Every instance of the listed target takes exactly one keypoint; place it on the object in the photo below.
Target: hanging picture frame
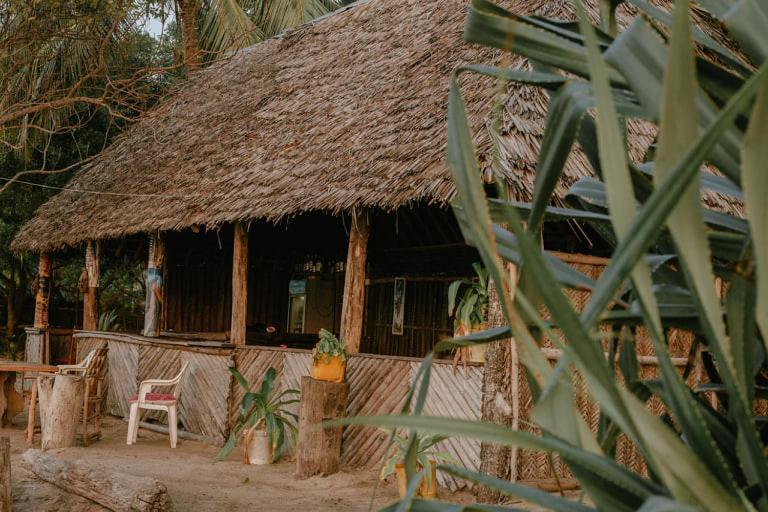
(398, 306)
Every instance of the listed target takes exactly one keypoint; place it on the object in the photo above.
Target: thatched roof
(349, 110)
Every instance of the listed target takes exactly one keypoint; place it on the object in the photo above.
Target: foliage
(329, 346)
(472, 307)
(669, 249)
(259, 409)
(424, 452)
(108, 321)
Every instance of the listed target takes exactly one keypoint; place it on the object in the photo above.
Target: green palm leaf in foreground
(707, 458)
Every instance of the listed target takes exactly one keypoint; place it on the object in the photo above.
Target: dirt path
(196, 482)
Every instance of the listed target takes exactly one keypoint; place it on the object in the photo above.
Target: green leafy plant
(711, 108)
(108, 321)
(259, 409)
(424, 452)
(328, 346)
(471, 308)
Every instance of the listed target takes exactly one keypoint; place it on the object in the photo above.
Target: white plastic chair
(146, 399)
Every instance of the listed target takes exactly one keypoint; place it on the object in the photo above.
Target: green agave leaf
(531, 494)
(654, 211)
(566, 108)
(664, 504)
(699, 35)
(490, 25)
(754, 153)
(640, 55)
(747, 21)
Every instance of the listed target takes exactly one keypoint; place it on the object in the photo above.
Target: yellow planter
(329, 370)
(428, 487)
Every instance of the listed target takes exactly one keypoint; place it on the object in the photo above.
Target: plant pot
(258, 448)
(477, 352)
(428, 486)
(328, 369)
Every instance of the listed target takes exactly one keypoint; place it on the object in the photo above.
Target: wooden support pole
(319, 450)
(6, 498)
(43, 291)
(239, 285)
(353, 305)
(500, 404)
(91, 287)
(153, 306)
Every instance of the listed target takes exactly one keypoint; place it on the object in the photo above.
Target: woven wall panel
(203, 408)
(376, 386)
(123, 369)
(455, 394)
(34, 347)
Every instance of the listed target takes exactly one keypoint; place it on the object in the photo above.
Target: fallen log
(115, 491)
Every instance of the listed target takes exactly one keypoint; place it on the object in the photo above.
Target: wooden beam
(353, 304)
(91, 294)
(43, 291)
(239, 285)
(153, 305)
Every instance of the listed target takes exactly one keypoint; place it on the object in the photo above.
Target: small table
(11, 402)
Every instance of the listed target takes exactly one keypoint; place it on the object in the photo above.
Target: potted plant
(426, 456)
(470, 309)
(264, 421)
(329, 358)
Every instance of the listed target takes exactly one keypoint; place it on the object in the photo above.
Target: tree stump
(61, 402)
(319, 450)
(115, 491)
(6, 499)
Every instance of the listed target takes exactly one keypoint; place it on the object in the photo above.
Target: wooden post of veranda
(91, 293)
(319, 450)
(353, 304)
(61, 402)
(39, 352)
(6, 498)
(43, 291)
(239, 285)
(153, 305)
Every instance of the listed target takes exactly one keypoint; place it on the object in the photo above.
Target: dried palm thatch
(349, 110)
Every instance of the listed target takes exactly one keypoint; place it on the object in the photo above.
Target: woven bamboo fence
(534, 466)
(377, 385)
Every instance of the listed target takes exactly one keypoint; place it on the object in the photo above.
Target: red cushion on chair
(154, 397)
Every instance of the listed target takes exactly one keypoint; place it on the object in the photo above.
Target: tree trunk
(91, 296)
(498, 401)
(319, 451)
(115, 491)
(61, 402)
(353, 305)
(6, 498)
(188, 19)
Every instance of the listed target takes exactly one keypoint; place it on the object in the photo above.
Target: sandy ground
(196, 482)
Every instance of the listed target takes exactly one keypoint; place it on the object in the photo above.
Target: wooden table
(11, 402)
